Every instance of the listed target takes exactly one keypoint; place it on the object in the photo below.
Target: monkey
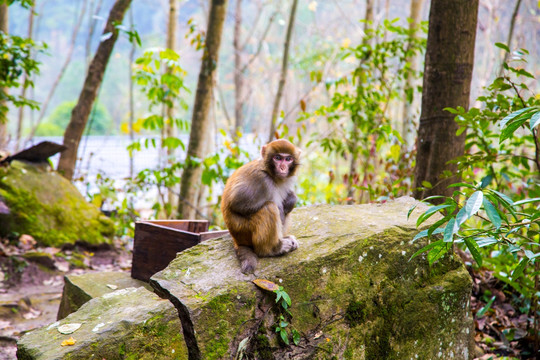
(256, 203)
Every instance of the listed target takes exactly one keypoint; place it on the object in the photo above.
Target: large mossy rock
(45, 205)
(355, 295)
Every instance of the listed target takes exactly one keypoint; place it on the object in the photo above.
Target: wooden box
(157, 242)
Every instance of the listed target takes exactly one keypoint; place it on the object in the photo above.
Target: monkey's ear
(298, 152)
(263, 151)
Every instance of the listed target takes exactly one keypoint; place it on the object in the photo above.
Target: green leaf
(424, 233)
(296, 337)
(471, 207)
(492, 213)
(485, 241)
(502, 46)
(284, 337)
(483, 310)
(429, 212)
(449, 231)
(526, 201)
(475, 250)
(438, 251)
(518, 271)
(513, 115)
(503, 197)
(535, 120)
(426, 248)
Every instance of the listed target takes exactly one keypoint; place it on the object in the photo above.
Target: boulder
(355, 294)
(131, 323)
(45, 205)
(79, 289)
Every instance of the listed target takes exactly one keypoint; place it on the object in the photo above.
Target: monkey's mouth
(282, 173)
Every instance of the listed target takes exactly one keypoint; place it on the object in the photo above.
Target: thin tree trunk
(94, 78)
(353, 166)
(131, 97)
(510, 35)
(92, 23)
(238, 74)
(283, 74)
(61, 73)
(170, 111)
(4, 27)
(447, 83)
(20, 119)
(200, 121)
(407, 125)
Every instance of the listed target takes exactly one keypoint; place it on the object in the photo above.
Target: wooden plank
(194, 226)
(156, 246)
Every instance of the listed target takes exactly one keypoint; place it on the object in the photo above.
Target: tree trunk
(447, 82)
(61, 73)
(131, 97)
(94, 77)
(200, 121)
(25, 79)
(408, 125)
(283, 74)
(4, 27)
(170, 111)
(238, 73)
(353, 165)
(510, 35)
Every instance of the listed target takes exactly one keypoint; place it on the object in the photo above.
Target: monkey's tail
(248, 259)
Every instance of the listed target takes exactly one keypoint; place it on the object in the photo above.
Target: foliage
(496, 214)
(360, 128)
(100, 120)
(284, 303)
(16, 59)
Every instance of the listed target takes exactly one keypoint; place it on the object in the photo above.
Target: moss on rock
(47, 206)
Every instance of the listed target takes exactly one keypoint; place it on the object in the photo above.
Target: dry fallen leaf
(69, 342)
(266, 284)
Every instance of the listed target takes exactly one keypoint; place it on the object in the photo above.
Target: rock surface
(48, 207)
(79, 289)
(354, 292)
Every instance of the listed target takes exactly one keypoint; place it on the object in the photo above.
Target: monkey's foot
(288, 244)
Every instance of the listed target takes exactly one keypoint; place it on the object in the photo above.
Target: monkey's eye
(277, 157)
(288, 158)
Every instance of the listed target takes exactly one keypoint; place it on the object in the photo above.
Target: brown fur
(256, 204)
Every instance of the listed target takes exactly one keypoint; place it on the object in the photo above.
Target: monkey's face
(282, 164)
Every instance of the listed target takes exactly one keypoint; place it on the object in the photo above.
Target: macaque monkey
(256, 202)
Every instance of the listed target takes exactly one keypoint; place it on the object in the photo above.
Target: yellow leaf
(346, 42)
(266, 284)
(312, 6)
(69, 342)
(124, 128)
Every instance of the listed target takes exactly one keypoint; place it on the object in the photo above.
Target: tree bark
(447, 82)
(94, 77)
(283, 74)
(238, 73)
(170, 111)
(4, 27)
(200, 122)
(20, 119)
(510, 35)
(63, 69)
(408, 126)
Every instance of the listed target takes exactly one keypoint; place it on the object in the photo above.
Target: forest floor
(32, 279)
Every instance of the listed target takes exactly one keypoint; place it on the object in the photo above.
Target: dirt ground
(32, 279)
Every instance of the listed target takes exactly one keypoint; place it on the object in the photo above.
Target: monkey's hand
(289, 202)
